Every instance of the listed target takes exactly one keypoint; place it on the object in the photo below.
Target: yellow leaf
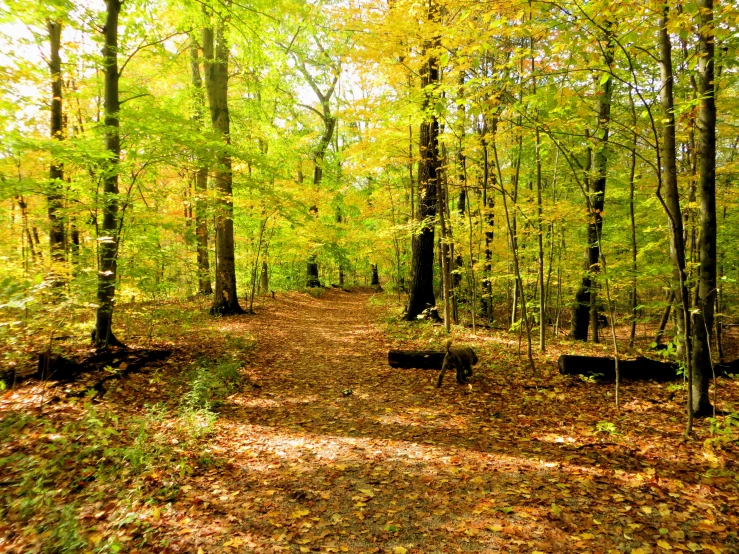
(300, 513)
(646, 509)
(587, 536)
(344, 548)
(95, 538)
(556, 510)
(201, 551)
(399, 550)
(367, 492)
(304, 549)
(664, 545)
(156, 513)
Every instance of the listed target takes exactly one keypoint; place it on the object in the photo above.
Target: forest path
(298, 464)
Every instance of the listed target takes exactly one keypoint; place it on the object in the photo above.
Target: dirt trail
(335, 451)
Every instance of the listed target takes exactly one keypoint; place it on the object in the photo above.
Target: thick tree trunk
(586, 298)
(375, 282)
(201, 180)
(215, 51)
(703, 322)
(421, 293)
(57, 239)
(312, 279)
(671, 200)
(108, 243)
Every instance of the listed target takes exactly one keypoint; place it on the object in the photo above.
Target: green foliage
(607, 428)
(209, 385)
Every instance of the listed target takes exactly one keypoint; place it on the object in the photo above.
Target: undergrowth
(56, 469)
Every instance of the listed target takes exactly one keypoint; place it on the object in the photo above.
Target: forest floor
(287, 431)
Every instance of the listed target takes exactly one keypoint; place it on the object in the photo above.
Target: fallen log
(640, 369)
(415, 359)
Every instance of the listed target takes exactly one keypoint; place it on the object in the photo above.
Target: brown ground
(327, 449)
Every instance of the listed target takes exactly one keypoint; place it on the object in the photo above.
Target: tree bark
(108, 243)
(319, 152)
(375, 281)
(704, 312)
(215, 52)
(421, 293)
(488, 204)
(55, 197)
(671, 201)
(201, 180)
(586, 307)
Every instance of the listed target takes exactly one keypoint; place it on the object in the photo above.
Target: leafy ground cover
(288, 432)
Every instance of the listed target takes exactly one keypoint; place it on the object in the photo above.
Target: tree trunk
(703, 322)
(632, 219)
(586, 298)
(215, 52)
(319, 152)
(665, 318)
(108, 243)
(421, 293)
(488, 206)
(264, 279)
(375, 282)
(671, 202)
(57, 239)
(201, 180)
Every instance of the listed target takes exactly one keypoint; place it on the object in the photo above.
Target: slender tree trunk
(215, 52)
(264, 279)
(57, 239)
(665, 317)
(632, 217)
(540, 243)
(446, 281)
(319, 152)
(421, 293)
(671, 201)
(108, 243)
(201, 180)
(703, 323)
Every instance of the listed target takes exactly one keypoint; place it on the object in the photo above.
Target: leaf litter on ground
(245, 440)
